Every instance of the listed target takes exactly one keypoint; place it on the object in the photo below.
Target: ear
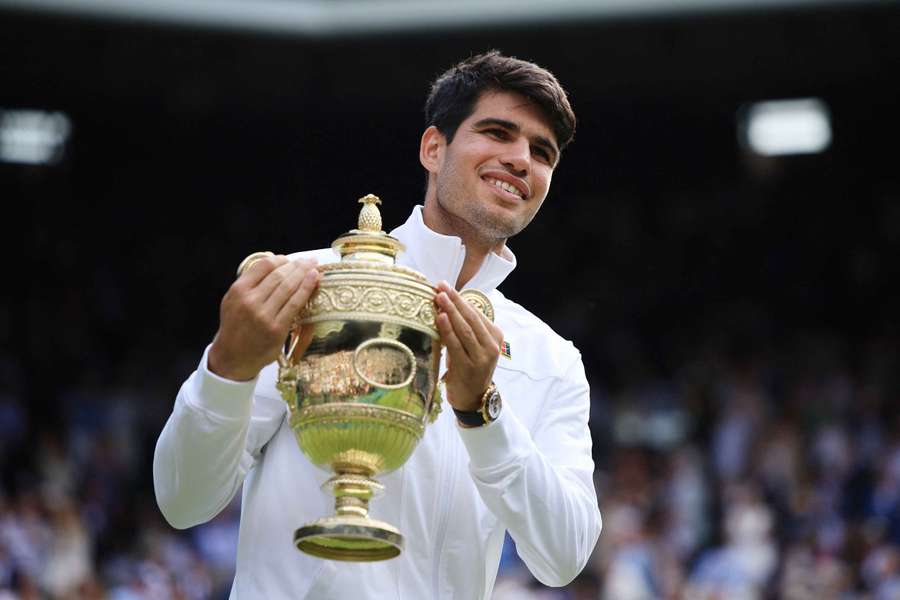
(431, 149)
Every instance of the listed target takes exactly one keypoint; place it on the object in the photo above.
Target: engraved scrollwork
(346, 297)
(375, 300)
(407, 305)
(426, 315)
(320, 301)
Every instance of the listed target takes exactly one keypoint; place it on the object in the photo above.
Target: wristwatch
(488, 413)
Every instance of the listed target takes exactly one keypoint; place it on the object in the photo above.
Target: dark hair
(453, 95)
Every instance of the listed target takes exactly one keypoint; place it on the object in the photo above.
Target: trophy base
(349, 538)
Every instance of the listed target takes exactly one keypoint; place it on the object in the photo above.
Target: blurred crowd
(747, 473)
(77, 515)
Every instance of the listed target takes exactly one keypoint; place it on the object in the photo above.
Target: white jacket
(530, 472)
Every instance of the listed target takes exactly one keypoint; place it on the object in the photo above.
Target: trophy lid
(368, 242)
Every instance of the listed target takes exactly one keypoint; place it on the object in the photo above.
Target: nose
(517, 157)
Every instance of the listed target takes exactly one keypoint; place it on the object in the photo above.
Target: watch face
(493, 405)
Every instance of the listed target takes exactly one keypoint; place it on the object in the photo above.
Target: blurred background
(721, 242)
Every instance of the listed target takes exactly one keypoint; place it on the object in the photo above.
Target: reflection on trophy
(361, 392)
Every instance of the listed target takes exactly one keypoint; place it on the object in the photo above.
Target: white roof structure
(335, 18)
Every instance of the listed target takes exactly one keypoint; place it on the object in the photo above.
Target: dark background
(193, 147)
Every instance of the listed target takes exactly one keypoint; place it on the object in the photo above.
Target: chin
(509, 221)
(499, 229)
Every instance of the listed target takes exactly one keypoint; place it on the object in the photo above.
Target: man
(496, 127)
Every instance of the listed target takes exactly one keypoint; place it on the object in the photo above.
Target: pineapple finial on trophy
(369, 215)
(368, 242)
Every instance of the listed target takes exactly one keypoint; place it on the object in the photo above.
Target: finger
(276, 278)
(497, 334)
(298, 299)
(494, 333)
(259, 269)
(460, 326)
(290, 281)
(455, 351)
(473, 317)
(264, 289)
(492, 329)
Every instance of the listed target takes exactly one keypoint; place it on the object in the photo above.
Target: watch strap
(472, 418)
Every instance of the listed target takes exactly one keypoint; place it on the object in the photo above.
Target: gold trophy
(359, 376)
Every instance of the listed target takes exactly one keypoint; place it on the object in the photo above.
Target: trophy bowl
(359, 376)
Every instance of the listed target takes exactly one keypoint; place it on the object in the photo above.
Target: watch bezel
(490, 410)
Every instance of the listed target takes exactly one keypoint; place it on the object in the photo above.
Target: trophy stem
(348, 505)
(350, 534)
(352, 493)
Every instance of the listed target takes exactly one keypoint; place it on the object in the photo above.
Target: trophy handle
(480, 301)
(291, 343)
(436, 400)
(248, 262)
(287, 370)
(387, 364)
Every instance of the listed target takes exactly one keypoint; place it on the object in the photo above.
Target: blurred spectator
(741, 568)
(68, 565)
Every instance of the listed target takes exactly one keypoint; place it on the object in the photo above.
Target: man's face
(492, 179)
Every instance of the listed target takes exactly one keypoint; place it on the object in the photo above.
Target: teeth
(504, 186)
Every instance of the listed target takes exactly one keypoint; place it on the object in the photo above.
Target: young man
(496, 127)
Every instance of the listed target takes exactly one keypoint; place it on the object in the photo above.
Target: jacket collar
(440, 257)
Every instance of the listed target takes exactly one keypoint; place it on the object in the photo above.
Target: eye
(500, 134)
(542, 154)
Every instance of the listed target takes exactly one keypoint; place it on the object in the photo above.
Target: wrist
(219, 364)
(473, 404)
(461, 398)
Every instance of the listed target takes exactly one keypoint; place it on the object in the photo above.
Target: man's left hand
(473, 347)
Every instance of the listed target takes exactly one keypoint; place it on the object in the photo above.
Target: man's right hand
(257, 313)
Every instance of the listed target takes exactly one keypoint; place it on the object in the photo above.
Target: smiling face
(489, 182)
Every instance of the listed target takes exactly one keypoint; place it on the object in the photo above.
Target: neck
(475, 257)
(477, 247)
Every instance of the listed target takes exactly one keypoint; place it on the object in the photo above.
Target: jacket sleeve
(541, 485)
(210, 441)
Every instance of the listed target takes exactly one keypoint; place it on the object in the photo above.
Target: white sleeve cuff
(497, 444)
(219, 397)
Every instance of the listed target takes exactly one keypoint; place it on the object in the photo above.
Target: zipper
(443, 508)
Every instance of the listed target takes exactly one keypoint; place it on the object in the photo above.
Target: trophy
(359, 376)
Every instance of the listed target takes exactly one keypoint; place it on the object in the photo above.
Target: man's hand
(257, 313)
(473, 347)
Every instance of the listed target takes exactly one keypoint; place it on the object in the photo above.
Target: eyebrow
(538, 139)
